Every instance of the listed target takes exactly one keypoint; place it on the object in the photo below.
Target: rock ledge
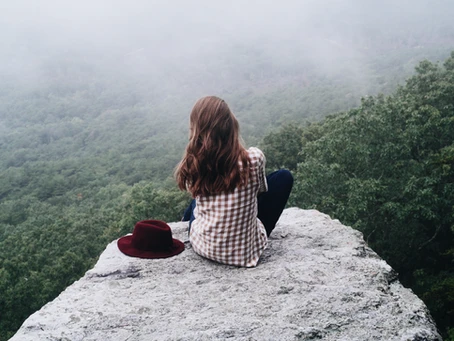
(317, 280)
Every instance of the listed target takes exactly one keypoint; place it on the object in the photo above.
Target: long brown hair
(215, 160)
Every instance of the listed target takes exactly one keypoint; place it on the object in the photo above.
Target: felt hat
(150, 239)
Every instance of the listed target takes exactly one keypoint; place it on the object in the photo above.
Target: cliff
(317, 280)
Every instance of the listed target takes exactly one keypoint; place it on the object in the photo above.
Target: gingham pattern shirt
(226, 228)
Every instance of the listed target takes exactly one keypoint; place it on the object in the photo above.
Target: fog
(213, 44)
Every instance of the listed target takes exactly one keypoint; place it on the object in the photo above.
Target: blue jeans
(270, 204)
(189, 213)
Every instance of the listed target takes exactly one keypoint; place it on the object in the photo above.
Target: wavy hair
(215, 160)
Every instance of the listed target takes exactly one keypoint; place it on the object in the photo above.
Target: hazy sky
(130, 24)
(177, 31)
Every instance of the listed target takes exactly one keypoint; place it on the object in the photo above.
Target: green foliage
(282, 148)
(437, 289)
(387, 169)
(145, 201)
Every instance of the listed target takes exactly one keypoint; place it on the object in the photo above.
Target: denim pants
(270, 204)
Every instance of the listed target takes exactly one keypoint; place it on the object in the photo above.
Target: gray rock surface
(317, 280)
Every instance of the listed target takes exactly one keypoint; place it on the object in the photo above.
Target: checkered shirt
(226, 228)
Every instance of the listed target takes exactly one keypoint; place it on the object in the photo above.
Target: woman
(228, 223)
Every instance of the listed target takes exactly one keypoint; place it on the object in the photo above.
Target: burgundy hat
(150, 239)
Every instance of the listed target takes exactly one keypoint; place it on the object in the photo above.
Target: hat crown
(152, 235)
(150, 239)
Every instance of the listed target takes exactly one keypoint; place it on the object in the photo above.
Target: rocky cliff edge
(317, 280)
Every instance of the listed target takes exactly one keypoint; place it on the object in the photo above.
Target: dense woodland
(89, 141)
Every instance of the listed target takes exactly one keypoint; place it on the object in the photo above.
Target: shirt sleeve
(263, 185)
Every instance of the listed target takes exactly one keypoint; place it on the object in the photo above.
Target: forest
(91, 128)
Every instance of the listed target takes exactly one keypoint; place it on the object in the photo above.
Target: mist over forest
(95, 99)
(180, 50)
(296, 61)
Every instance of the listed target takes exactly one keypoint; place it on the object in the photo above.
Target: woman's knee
(286, 174)
(285, 178)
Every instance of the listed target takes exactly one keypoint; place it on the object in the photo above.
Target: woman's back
(226, 228)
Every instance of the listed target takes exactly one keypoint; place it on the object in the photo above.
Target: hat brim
(125, 246)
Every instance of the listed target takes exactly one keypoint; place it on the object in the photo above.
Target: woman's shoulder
(256, 155)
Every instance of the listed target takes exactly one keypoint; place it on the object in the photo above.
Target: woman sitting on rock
(235, 206)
